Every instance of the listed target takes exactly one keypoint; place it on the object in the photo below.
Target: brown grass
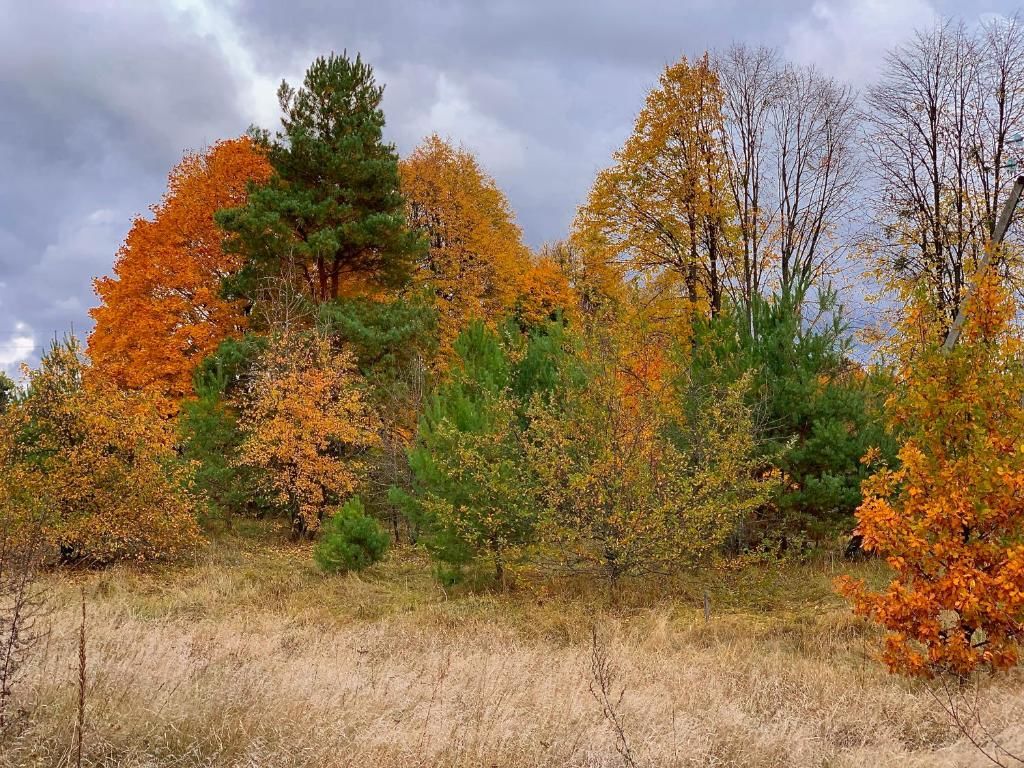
(248, 657)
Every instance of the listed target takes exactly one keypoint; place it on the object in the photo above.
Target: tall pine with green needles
(332, 219)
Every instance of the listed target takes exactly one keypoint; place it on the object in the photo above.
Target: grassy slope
(248, 656)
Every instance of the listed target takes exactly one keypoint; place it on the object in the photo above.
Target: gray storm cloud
(98, 101)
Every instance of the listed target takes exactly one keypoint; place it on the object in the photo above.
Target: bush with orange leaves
(307, 425)
(950, 520)
(98, 461)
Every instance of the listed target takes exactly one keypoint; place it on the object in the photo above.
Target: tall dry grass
(256, 660)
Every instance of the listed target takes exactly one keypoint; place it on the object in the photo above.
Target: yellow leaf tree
(595, 277)
(665, 204)
(99, 460)
(631, 480)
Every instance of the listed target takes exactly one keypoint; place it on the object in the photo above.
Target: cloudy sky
(98, 100)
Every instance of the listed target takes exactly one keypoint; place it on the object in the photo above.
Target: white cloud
(16, 347)
(848, 39)
(453, 115)
(257, 97)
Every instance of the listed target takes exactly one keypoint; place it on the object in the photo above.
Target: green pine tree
(211, 437)
(471, 494)
(820, 412)
(332, 219)
(350, 540)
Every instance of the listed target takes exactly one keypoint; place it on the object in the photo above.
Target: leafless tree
(816, 172)
(750, 83)
(791, 141)
(941, 119)
(999, 109)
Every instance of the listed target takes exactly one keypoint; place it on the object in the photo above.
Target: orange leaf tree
(476, 256)
(950, 520)
(544, 293)
(306, 425)
(162, 313)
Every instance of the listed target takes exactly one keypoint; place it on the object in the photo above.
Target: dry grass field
(249, 657)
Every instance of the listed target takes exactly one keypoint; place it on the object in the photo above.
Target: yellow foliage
(476, 257)
(631, 482)
(99, 461)
(593, 271)
(665, 205)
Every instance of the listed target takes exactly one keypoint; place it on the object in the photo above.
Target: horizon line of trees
(311, 328)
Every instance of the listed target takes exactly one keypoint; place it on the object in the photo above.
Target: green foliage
(547, 362)
(392, 339)
(226, 370)
(466, 496)
(820, 412)
(211, 437)
(387, 337)
(472, 488)
(8, 392)
(635, 475)
(350, 540)
(332, 218)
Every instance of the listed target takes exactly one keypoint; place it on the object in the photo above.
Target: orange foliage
(544, 292)
(476, 257)
(162, 313)
(307, 424)
(950, 520)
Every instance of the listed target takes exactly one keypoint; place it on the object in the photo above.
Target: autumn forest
(757, 415)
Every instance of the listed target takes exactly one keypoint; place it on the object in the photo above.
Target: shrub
(630, 481)
(350, 540)
(471, 493)
(100, 460)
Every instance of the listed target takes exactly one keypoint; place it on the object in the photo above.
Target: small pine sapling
(350, 540)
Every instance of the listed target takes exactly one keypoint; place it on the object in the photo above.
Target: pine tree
(820, 411)
(332, 218)
(211, 434)
(350, 540)
(470, 493)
